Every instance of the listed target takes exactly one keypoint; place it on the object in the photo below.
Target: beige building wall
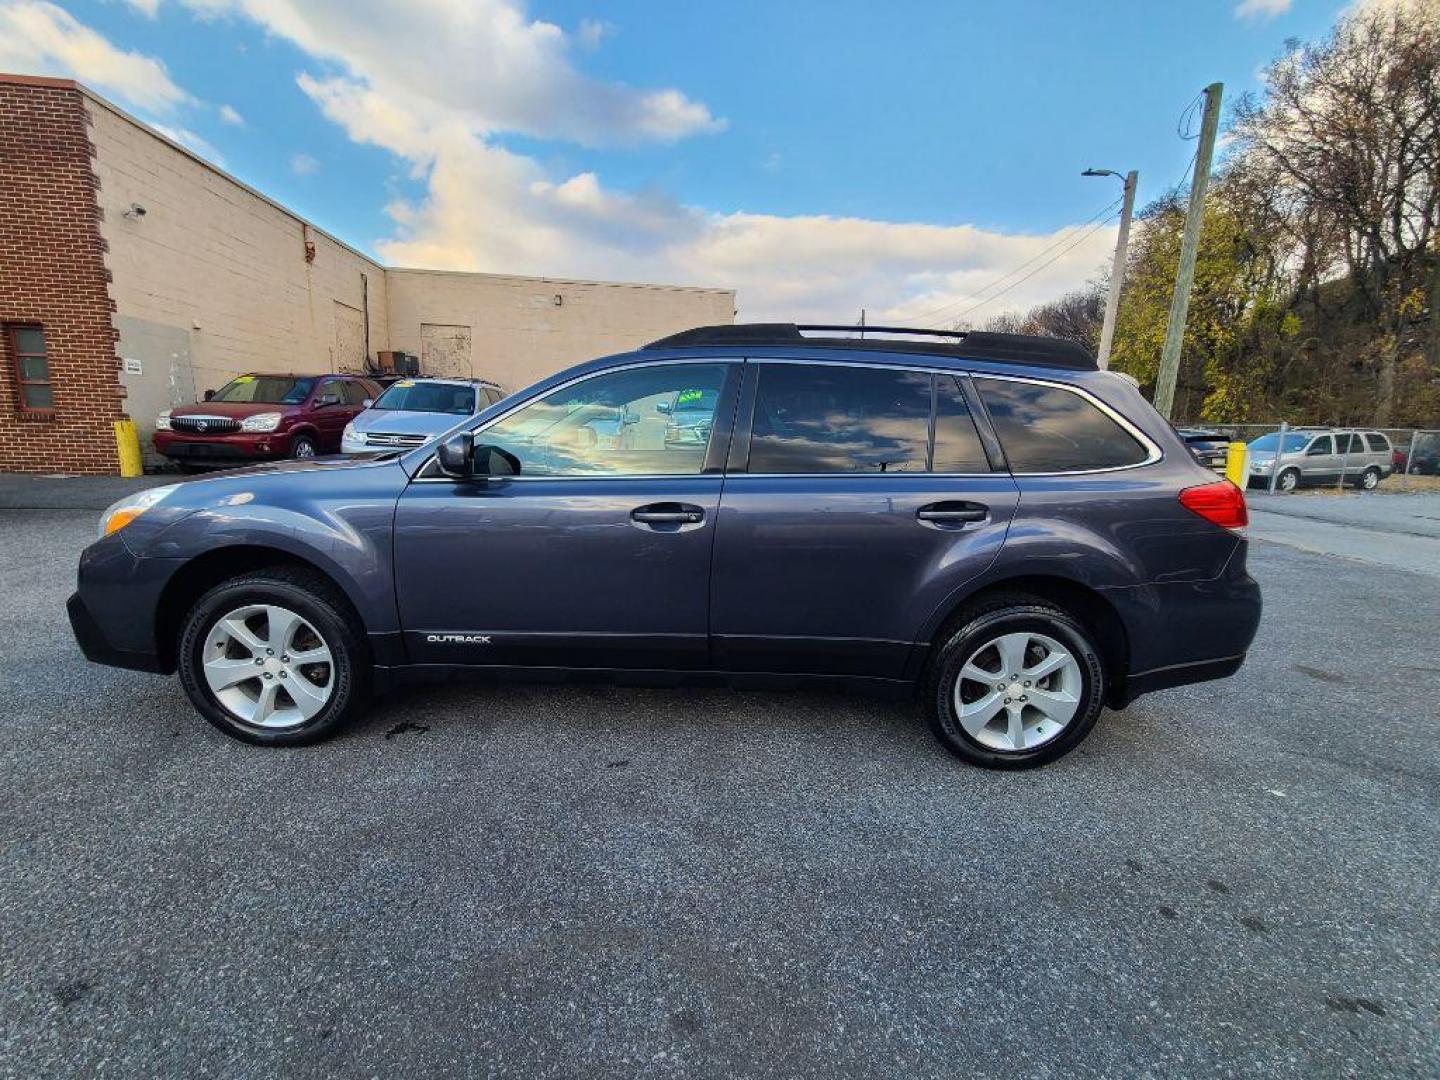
(521, 329)
(213, 280)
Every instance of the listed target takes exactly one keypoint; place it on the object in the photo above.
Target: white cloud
(594, 31)
(231, 115)
(1261, 10)
(304, 165)
(489, 69)
(483, 62)
(38, 38)
(148, 8)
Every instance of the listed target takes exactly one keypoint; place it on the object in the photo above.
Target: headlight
(348, 435)
(265, 421)
(129, 508)
(162, 422)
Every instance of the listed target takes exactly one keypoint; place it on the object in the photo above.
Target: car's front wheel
(302, 447)
(1016, 683)
(269, 657)
(1288, 480)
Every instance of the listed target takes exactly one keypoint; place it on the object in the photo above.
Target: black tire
(319, 603)
(307, 443)
(970, 630)
(1369, 480)
(1292, 476)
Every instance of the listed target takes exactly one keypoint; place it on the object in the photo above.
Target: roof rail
(962, 344)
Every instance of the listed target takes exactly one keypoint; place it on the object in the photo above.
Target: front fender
(339, 520)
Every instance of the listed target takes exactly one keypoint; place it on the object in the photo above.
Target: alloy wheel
(304, 449)
(1018, 691)
(268, 666)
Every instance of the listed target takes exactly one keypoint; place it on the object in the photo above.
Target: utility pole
(1117, 271)
(1189, 244)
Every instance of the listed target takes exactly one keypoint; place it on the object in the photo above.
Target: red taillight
(1221, 502)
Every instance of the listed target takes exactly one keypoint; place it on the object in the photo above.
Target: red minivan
(263, 417)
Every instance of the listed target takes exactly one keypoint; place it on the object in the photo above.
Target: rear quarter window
(1049, 429)
(1378, 444)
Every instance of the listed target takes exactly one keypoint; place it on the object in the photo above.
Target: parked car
(412, 411)
(1363, 458)
(1209, 447)
(260, 417)
(985, 519)
(1421, 455)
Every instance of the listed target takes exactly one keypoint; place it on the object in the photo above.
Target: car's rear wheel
(270, 657)
(1369, 479)
(1288, 480)
(1017, 683)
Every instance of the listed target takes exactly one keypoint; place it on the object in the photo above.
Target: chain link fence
(1335, 460)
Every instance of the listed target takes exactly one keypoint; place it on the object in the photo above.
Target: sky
(920, 161)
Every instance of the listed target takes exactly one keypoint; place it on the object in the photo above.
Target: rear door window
(836, 419)
(1049, 429)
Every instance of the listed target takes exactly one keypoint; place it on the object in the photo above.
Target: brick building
(134, 275)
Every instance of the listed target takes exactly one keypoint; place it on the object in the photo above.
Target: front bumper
(239, 446)
(98, 649)
(115, 610)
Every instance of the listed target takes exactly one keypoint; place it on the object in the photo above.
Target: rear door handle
(952, 513)
(668, 514)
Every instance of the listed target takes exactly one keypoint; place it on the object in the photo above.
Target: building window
(32, 369)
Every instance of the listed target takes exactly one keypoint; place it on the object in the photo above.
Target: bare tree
(1348, 134)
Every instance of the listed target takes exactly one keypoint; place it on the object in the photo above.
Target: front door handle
(952, 513)
(668, 514)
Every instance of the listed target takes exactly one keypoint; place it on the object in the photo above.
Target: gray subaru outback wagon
(987, 520)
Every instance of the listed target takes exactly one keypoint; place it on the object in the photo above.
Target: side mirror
(209, 394)
(367, 403)
(456, 455)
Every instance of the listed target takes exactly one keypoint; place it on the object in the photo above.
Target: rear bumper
(221, 448)
(1145, 682)
(1186, 632)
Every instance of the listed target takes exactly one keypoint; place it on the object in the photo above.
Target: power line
(1063, 238)
(1058, 255)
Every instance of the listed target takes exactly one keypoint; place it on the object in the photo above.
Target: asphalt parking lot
(1237, 878)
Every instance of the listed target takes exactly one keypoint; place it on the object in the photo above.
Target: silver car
(413, 411)
(1361, 458)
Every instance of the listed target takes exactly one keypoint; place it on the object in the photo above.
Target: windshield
(267, 389)
(1293, 443)
(409, 396)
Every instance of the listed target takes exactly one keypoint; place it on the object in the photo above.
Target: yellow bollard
(1235, 464)
(127, 446)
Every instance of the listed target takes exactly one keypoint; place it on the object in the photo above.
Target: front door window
(654, 420)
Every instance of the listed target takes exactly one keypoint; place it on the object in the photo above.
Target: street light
(1117, 272)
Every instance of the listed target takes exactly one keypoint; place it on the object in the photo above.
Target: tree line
(1318, 277)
